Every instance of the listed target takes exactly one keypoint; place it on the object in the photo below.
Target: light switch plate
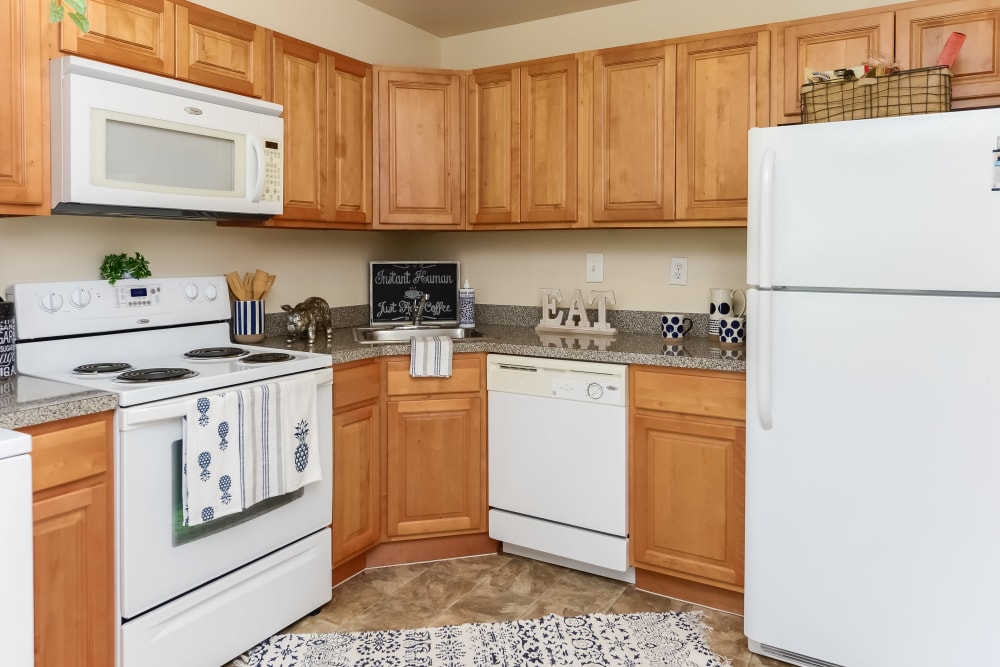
(595, 267)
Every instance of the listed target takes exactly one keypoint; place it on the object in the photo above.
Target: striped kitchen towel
(214, 458)
(430, 357)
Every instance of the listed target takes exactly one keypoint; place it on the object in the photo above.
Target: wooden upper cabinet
(349, 146)
(220, 51)
(922, 31)
(420, 149)
(494, 147)
(823, 45)
(24, 126)
(327, 100)
(633, 177)
(523, 144)
(722, 92)
(138, 34)
(549, 139)
(298, 83)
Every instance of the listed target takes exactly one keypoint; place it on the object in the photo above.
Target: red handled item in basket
(951, 49)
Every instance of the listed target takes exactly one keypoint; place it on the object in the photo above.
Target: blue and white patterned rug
(649, 639)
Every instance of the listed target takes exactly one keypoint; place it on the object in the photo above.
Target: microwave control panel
(273, 185)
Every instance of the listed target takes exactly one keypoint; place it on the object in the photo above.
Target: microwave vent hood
(131, 144)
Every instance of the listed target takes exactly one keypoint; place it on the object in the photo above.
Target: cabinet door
(133, 33)
(420, 142)
(494, 141)
(219, 51)
(350, 141)
(74, 582)
(634, 134)
(922, 31)
(355, 482)
(687, 490)
(548, 147)
(435, 466)
(24, 128)
(722, 92)
(823, 45)
(298, 80)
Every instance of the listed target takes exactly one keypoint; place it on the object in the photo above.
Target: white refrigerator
(873, 392)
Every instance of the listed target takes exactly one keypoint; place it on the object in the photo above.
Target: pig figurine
(307, 317)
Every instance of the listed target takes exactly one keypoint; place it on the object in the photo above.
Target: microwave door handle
(258, 151)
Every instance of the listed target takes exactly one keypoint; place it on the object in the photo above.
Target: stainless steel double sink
(403, 333)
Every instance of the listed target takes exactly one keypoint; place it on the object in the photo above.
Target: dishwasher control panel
(593, 389)
(563, 379)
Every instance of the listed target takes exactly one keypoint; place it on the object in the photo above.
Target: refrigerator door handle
(763, 376)
(765, 236)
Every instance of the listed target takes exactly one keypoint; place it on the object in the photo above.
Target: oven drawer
(466, 376)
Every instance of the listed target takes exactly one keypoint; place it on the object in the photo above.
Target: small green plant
(77, 12)
(116, 267)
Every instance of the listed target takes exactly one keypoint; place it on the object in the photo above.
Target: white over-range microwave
(128, 143)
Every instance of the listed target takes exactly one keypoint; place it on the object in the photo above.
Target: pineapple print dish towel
(247, 445)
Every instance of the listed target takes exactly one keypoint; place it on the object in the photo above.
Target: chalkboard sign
(393, 286)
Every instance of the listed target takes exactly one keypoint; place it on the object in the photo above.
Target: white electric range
(182, 592)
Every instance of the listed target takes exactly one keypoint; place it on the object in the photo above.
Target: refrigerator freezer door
(872, 532)
(891, 203)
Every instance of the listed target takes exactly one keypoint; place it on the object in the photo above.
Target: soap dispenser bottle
(467, 306)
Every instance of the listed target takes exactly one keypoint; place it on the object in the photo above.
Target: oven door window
(153, 155)
(184, 534)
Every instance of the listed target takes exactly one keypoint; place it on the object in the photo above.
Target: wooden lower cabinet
(686, 475)
(436, 450)
(357, 460)
(72, 463)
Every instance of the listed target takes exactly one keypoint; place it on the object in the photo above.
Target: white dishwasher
(16, 581)
(558, 461)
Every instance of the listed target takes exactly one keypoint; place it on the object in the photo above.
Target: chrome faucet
(419, 306)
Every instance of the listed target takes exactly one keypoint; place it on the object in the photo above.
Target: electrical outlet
(595, 267)
(678, 270)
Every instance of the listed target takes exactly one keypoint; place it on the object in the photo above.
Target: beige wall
(332, 265)
(511, 267)
(627, 23)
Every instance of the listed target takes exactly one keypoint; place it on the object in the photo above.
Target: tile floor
(498, 588)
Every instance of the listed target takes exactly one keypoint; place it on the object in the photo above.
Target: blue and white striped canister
(248, 321)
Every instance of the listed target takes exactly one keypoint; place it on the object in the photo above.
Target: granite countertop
(25, 401)
(697, 351)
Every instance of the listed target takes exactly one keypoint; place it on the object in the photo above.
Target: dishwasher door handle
(512, 367)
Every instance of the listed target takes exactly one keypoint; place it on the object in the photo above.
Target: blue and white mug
(721, 303)
(248, 321)
(675, 325)
(732, 331)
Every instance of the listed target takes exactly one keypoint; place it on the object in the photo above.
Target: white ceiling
(446, 18)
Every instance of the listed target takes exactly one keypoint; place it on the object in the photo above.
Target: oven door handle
(136, 417)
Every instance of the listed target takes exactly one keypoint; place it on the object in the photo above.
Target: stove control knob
(211, 293)
(594, 390)
(80, 298)
(190, 291)
(51, 302)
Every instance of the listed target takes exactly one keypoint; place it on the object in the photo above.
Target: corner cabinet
(687, 457)
(524, 145)
(822, 45)
(356, 459)
(24, 117)
(327, 100)
(72, 480)
(722, 92)
(436, 450)
(419, 148)
(633, 173)
(922, 30)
